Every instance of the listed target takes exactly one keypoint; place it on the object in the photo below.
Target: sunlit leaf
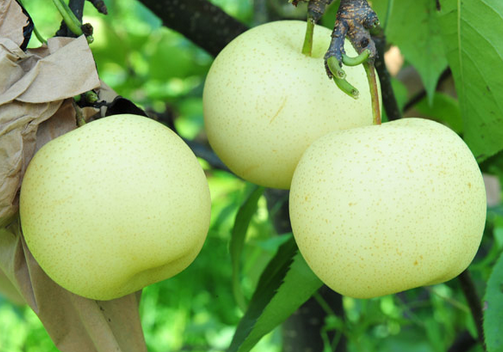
(286, 283)
(472, 39)
(243, 218)
(412, 26)
(444, 108)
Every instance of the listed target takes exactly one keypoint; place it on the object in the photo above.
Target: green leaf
(383, 10)
(472, 37)
(493, 312)
(444, 108)
(241, 223)
(413, 27)
(269, 282)
(173, 56)
(298, 286)
(286, 283)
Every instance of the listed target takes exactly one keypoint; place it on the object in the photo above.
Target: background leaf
(493, 314)
(444, 108)
(412, 26)
(472, 38)
(298, 286)
(284, 286)
(269, 282)
(243, 218)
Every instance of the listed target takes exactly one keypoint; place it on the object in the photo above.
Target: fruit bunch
(375, 209)
(122, 202)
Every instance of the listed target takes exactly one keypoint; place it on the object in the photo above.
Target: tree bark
(198, 20)
(77, 7)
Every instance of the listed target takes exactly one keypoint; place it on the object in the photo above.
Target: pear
(265, 102)
(382, 209)
(114, 206)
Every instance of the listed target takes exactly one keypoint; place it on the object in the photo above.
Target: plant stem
(474, 302)
(355, 61)
(389, 102)
(70, 19)
(374, 92)
(39, 36)
(307, 48)
(335, 68)
(346, 87)
(78, 114)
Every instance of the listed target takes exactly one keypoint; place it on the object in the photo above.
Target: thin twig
(200, 21)
(389, 101)
(463, 342)
(100, 6)
(474, 302)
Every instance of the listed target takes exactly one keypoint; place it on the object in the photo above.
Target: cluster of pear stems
(354, 20)
(357, 21)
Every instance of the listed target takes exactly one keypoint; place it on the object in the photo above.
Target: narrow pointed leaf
(285, 285)
(269, 282)
(241, 223)
(298, 286)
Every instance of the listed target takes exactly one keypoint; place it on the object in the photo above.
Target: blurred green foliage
(160, 70)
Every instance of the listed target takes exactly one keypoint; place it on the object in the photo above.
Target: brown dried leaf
(33, 86)
(36, 90)
(12, 21)
(18, 127)
(62, 69)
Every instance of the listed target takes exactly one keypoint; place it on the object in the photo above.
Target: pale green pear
(381, 209)
(114, 206)
(265, 102)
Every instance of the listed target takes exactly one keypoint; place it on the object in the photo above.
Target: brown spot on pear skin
(279, 110)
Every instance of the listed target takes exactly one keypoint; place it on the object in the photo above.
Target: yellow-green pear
(114, 206)
(265, 102)
(381, 209)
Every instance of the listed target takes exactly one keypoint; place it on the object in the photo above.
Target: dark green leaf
(298, 286)
(269, 282)
(493, 313)
(445, 109)
(412, 26)
(383, 10)
(243, 218)
(472, 37)
(286, 283)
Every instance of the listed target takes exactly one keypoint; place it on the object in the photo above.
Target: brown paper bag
(36, 90)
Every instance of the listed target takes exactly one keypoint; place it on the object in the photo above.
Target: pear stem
(39, 36)
(346, 87)
(374, 91)
(78, 114)
(307, 48)
(335, 68)
(70, 19)
(355, 61)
